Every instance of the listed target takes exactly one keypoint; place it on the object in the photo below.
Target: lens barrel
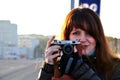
(68, 49)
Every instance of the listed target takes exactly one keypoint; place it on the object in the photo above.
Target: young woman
(98, 63)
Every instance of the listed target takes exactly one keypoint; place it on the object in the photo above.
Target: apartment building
(8, 36)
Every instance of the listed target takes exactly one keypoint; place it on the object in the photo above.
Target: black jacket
(46, 73)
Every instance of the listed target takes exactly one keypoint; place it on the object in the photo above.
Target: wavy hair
(89, 21)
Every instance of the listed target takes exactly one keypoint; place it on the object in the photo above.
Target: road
(18, 70)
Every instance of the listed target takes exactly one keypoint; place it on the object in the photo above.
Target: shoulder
(116, 71)
(117, 62)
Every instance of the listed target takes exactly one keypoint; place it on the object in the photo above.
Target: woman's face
(87, 41)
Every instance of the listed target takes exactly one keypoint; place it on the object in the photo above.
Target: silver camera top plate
(62, 42)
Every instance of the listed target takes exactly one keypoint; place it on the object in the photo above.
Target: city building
(8, 33)
(27, 45)
(8, 37)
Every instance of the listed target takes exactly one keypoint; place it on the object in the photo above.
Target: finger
(52, 50)
(55, 55)
(49, 41)
(49, 59)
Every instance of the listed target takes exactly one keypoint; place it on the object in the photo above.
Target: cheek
(92, 42)
(91, 46)
(72, 38)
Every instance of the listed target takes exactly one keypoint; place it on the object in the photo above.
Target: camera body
(66, 45)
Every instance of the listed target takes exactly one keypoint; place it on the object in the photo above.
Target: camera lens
(68, 49)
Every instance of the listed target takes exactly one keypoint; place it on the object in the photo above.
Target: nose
(82, 38)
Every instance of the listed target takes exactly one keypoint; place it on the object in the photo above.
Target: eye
(76, 33)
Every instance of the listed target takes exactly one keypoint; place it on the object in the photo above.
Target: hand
(49, 50)
(84, 72)
(67, 63)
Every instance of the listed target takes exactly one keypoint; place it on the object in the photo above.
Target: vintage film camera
(66, 45)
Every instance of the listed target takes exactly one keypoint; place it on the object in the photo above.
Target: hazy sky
(46, 16)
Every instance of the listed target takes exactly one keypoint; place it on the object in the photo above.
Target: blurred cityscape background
(14, 46)
(21, 56)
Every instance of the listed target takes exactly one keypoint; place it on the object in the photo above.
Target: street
(18, 70)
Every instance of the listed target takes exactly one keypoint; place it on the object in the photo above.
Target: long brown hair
(89, 21)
